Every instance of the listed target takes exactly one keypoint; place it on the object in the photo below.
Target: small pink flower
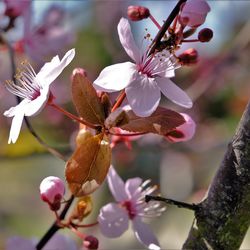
(194, 12)
(15, 8)
(130, 197)
(52, 190)
(143, 80)
(184, 132)
(34, 89)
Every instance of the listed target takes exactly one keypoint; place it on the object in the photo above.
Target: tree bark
(223, 217)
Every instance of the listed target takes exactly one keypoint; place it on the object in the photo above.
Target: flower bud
(52, 190)
(13, 9)
(80, 71)
(184, 132)
(194, 13)
(137, 13)
(91, 242)
(188, 57)
(205, 35)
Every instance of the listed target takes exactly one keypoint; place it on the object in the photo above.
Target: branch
(224, 216)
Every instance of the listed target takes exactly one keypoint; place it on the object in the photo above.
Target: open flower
(34, 89)
(143, 81)
(130, 196)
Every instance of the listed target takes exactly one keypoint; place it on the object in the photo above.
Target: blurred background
(218, 84)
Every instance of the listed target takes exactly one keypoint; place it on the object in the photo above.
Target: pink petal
(173, 92)
(196, 6)
(60, 242)
(132, 187)
(34, 107)
(143, 95)
(113, 220)
(116, 185)
(187, 129)
(115, 77)
(53, 69)
(19, 243)
(127, 40)
(144, 234)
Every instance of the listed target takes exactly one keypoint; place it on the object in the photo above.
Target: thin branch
(179, 204)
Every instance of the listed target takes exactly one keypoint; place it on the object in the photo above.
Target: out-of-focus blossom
(49, 38)
(194, 12)
(15, 8)
(52, 190)
(137, 13)
(188, 57)
(143, 81)
(130, 197)
(184, 132)
(58, 241)
(34, 89)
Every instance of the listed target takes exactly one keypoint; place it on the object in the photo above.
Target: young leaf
(86, 101)
(160, 122)
(89, 164)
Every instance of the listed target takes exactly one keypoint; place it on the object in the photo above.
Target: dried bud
(91, 242)
(137, 13)
(188, 57)
(184, 132)
(205, 35)
(52, 190)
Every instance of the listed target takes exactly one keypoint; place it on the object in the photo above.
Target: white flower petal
(18, 108)
(53, 69)
(115, 77)
(127, 40)
(35, 106)
(116, 185)
(173, 92)
(144, 234)
(113, 220)
(131, 186)
(16, 126)
(143, 95)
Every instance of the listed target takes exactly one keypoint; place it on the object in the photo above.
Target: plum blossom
(184, 132)
(52, 190)
(130, 197)
(34, 89)
(143, 80)
(58, 241)
(14, 8)
(194, 12)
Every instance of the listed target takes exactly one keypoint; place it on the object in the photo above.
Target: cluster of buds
(192, 14)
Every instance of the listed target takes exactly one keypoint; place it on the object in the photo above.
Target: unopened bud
(52, 190)
(205, 35)
(188, 57)
(91, 242)
(80, 71)
(183, 132)
(137, 13)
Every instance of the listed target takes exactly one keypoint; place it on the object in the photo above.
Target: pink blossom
(58, 241)
(15, 8)
(184, 132)
(194, 12)
(52, 189)
(50, 37)
(34, 89)
(143, 80)
(130, 197)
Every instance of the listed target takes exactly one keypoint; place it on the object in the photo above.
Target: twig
(179, 204)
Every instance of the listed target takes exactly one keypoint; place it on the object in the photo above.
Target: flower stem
(190, 40)
(179, 204)
(54, 228)
(119, 100)
(165, 26)
(85, 225)
(127, 134)
(71, 116)
(155, 22)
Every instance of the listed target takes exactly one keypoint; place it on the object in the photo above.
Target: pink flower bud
(91, 242)
(194, 12)
(52, 190)
(16, 8)
(188, 57)
(137, 13)
(205, 35)
(184, 132)
(79, 71)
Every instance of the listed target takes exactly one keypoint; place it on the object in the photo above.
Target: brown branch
(224, 216)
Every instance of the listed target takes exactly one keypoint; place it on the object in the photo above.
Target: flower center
(130, 208)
